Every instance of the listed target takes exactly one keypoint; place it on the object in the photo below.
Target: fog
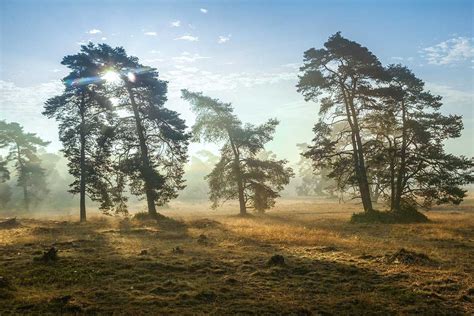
(58, 201)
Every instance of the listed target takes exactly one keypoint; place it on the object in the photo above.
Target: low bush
(399, 217)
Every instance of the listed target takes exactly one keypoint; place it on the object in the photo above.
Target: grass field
(216, 262)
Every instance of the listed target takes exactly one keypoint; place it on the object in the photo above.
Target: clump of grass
(145, 216)
(408, 257)
(400, 217)
(276, 260)
(6, 288)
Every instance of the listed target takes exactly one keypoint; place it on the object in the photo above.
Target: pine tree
(152, 140)
(85, 117)
(23, 149)
(415, 132)
(240, 173)
(344, 71)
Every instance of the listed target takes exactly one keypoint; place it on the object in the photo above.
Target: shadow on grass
(103, 271)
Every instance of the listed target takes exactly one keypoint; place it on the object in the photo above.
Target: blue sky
(246, 52)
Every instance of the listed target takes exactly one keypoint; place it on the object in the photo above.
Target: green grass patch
(401, 217)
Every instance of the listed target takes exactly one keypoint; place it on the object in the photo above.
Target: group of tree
(118, 135)
(22, 155)
(380, 132)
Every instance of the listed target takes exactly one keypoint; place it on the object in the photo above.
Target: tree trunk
(393, 189)
(243, 209)
(82, 185)
(240, 185)
(146, 168)
(358, 152)
(401, 170)
(26, 199)
(363, 182)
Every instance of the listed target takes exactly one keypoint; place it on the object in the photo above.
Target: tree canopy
(240, 173)
(379, 130)
(22, 152)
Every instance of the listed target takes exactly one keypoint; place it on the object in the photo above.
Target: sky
(244, 52)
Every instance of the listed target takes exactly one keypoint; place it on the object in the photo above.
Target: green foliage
(86, 130)
(151, 140)
(144, 148)
(240, 173)
(4, 172)
(409, 134)
(380, 133)
(22, 152)
(344, 72)
(399, 217)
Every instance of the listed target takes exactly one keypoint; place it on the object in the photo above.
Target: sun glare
(115, 101)
(131, 76)
(111, 77)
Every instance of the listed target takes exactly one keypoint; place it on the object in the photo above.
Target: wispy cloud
(452, 51)
(150, 33)
(224, 39)
(451, 96)
(293, 66)
(400, 59)
(203, 10)
(201, 80)
(186, 57)
(25, 104)
(94, 31)
(154, 60)
(186, 68)
(176, 23)
(189, 38)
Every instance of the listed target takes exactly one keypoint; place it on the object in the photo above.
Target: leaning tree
(240, 173)
(22, 152)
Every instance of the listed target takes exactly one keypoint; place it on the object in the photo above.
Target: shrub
(400, 217)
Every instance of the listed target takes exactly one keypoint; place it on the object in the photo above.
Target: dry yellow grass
(332, 266)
